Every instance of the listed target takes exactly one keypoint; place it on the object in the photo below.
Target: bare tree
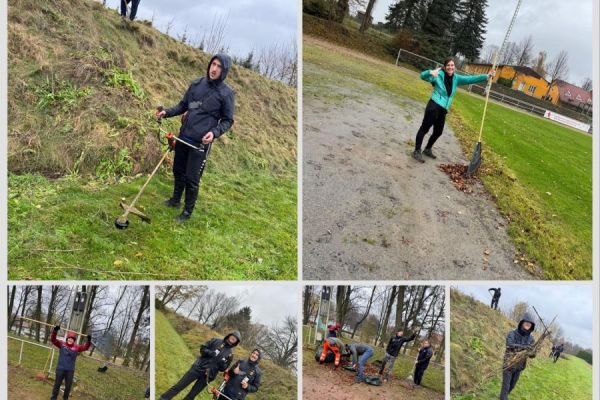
(523, 51)
(587, 84)
(539, 63)
(366, 313)
(281, 344)
(559, 69)
(169, 26)
(213, 40)
(509, 54)
(366, 22)
(144, 304)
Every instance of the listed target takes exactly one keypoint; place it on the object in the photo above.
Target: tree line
(221, 312)
(121, 313)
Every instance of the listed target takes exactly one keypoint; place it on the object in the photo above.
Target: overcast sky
(554, 24)
(572, 303)
(270, 303)
(252, 24)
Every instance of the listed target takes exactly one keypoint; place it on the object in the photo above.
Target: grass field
(244, 227)
(538, 172)
(477, 346)
(177, 345)
(116, 384)
(544, 380)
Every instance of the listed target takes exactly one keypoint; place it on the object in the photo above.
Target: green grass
(177, 342)
(116, 384)
(569, 378)
(244, 227)
(524, 157)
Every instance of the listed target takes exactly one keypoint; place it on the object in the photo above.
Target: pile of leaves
(457, 174)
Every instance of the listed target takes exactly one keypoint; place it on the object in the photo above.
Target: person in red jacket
(67, 355)
(333, 329)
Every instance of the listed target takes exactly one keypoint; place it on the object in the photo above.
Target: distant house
(574, 95)
(524, 79)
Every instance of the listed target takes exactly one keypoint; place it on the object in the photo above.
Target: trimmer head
(121, 223)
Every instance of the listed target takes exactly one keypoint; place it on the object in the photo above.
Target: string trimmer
(122, 222)
(476, 156)
(218, 392)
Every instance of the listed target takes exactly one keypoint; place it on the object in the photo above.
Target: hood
(73, 336)
(225, 62)
(235, 334)
(526, 318)
(259, 357)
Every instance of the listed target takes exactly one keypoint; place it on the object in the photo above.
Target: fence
(421, 62)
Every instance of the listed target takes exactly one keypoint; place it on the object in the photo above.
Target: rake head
(475, 162)
(121, 222)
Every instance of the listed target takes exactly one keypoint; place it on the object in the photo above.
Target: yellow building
(524, 79)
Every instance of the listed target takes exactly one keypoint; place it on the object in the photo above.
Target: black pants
(435, 115)
(494, 304)
(134, 7)
(419, 371)
(188, 167)
(61, 375)
(194, 374)
(509, 381)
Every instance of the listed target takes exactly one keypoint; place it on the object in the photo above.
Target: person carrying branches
(518, 342)
(67, 355)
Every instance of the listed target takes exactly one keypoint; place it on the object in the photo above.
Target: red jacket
(67, 354)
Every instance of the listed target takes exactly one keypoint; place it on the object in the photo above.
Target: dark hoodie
(67, 355)
(396, 342)
(248, 369)
(210, 105)
(216, 355)
(424, 357)
(519, 340)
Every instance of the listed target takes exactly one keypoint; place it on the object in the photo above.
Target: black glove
(89, 338)
(56, 328)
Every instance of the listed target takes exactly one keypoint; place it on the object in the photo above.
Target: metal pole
(51, 361)
(318, 315)
(398, 58)
(21, 352)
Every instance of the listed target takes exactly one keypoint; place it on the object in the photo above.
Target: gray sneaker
(429, 153)
(418, 156)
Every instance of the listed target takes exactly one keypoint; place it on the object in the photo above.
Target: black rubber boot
(184, 216)
(418, 156)
(429, 153)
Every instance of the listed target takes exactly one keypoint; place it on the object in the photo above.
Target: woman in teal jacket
(444, 82)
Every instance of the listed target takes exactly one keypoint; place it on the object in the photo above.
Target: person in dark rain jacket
(242, 378)
(423, 358)
(495, 297)
(391, 352)
(518, 340)
(209, 106)
(67, 355)
(215, 356)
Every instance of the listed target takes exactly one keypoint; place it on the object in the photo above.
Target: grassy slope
(520, 165)
(177, 343)
(115, 384)
(477, 346)
(66, 120)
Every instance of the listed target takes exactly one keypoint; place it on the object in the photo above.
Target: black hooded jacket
(497, 293)
(424, 357)
(248, 369)
(210, 105)
(395, 344)
(216, 355)
(519, 340)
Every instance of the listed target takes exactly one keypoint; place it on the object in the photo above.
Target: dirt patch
(457, 174)
(372, 212)
(324, 381)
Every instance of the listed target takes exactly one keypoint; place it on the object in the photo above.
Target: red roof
(572, 94)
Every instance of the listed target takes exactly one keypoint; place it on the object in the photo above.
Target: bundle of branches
(521, 356)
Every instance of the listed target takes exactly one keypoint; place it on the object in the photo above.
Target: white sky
(270, 302)
(252, 24)
(554, 24)
(573, 303)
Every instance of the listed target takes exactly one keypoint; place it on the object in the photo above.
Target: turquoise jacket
(440, 95)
